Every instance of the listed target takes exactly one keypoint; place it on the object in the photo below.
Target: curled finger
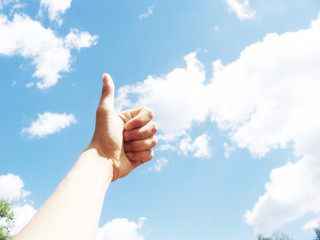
(141, 133)
(140, 117)
(140, 145)
(142, 156)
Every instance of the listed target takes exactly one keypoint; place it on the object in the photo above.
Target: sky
(234, 86)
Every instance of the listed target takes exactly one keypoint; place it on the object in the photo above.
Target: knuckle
(154, 127)
(151, 155)
(148, 156)
(140, 110)
(153, 141)
(139, 133)
(139, 122)
(148, 111)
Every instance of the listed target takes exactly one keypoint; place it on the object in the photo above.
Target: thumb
(107, 96)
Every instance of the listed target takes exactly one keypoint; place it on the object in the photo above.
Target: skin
(121, 142)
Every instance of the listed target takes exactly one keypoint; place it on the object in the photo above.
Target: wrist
(98, 161)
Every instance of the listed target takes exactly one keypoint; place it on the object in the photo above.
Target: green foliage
(6, 219)
(3, 234)
(5, 209)
(275, 236)
(260, 237)
(317, 231)
(282, 236)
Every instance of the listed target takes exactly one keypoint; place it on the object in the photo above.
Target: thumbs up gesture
(124, 139)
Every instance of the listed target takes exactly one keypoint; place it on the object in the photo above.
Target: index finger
(140, 117)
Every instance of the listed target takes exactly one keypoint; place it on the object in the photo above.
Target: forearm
(73, 210)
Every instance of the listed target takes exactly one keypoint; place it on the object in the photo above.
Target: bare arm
(73, 210)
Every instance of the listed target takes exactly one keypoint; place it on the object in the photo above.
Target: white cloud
(266, 99)
(292, 193)
(280, 108)
(199, 148)
(50, 54)
(55, 8)
(311, 225)
(49, 123)
(178, 95)
(216, 28)
(242, 9)
(270, 102)
(253, 96)
(12, 187)
(147, 14)
(23, 215)
(76, 39)
(121, 229)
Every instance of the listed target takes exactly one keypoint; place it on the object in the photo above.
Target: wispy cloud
(29, 85)
(216, 28)
(3, 3)
(242, 9)
(16, 7)
(199, 148)
(55, 8)
(228, 149)
(147, 14)
(159, 164)
(49, 123)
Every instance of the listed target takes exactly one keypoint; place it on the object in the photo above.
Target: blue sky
(234, 86)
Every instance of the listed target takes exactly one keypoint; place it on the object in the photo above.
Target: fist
(125, 139)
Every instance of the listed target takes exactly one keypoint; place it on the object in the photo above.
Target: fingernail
(104, 78)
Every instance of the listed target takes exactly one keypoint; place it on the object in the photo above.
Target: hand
(125, 139)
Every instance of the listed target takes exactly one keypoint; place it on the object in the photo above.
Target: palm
(109, 132)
